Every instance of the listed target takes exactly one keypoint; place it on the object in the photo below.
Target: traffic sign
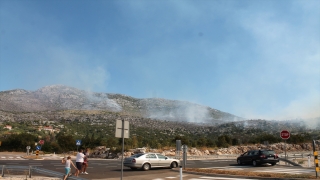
(41, 142)
(284, 134)
(78, 142)
(28, 147)
(122, 126)
(38, 147)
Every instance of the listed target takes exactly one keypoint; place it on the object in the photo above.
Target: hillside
(59, 98)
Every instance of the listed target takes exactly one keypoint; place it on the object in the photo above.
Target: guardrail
(29, 170)
(296, 155)
(226, 156)
(8, 168)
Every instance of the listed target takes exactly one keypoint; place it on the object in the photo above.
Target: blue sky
(254, 59)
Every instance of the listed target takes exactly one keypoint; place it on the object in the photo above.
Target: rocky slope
(59, 97)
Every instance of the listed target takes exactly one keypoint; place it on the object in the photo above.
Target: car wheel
(239, 162)
(146, 166)
(173, 165)
(254, 163)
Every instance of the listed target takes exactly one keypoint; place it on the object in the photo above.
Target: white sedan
(147, 161)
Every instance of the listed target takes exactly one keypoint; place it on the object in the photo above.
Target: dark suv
(257, 157)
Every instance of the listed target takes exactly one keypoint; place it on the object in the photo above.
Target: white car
(146, 161)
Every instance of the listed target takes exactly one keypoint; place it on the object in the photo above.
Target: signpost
(284, 134)
(122, 131)
(37, 151)
(178, 147)
(316, 161)
(28, 148)
(41, 142)
(78, 143)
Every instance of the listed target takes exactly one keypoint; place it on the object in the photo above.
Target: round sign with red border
(41, 142)
(284, 134)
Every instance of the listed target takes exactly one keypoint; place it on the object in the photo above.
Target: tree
(66, 142)
(18, 142)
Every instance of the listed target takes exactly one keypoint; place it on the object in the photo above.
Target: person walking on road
(67, 167)
(79, 161)
(85, 162)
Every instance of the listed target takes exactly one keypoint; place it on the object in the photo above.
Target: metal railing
(29, 170)
(9, 168)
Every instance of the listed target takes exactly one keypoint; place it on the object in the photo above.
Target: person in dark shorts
(79, 161)
(85, 162)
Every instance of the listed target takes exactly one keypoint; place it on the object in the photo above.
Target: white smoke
(101, 101)
(177, 111)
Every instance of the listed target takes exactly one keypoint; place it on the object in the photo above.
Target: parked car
(257, 157)
(146, 161)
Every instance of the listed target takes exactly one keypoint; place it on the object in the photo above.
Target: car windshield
(268, 153)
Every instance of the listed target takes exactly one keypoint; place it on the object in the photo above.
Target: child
(85, 162)
(85, 165)
(67, 167)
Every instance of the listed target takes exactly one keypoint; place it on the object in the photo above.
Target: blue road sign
(78, 142)
(38, 147)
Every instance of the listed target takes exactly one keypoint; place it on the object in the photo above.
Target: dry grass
(251, 174)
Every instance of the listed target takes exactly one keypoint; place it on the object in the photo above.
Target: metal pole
(315, 154)
(309, 161)
(180, 172)
(285, 150)
(122, 136)
(29, 171)
(2, 174)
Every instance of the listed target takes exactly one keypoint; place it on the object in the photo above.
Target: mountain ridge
(61, 97)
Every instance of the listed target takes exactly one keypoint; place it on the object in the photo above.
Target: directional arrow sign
(78, 142)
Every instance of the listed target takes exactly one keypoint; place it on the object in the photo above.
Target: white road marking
(227, 168)
(286, 170)
(223, 178)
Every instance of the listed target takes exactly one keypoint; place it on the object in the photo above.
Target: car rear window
(267, 152)
(136, 155)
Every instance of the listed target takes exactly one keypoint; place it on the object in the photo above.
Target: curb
(233, 176)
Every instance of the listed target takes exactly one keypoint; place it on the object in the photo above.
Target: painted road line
(227, 168)
(286, 170)
(219, 178)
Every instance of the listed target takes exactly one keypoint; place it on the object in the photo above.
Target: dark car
(257, 157)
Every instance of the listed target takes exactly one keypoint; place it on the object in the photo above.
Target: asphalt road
(111, 169)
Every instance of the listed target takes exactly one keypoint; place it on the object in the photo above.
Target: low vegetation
(143, 133)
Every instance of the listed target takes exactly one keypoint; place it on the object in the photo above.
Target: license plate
(270, 157)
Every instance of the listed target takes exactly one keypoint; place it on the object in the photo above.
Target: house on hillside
(8, 127)
(48, 128)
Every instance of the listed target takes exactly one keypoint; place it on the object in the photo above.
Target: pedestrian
(67, 167)
(79, 161)
(85, 162)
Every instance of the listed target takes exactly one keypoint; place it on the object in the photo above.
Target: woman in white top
(67, 167)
